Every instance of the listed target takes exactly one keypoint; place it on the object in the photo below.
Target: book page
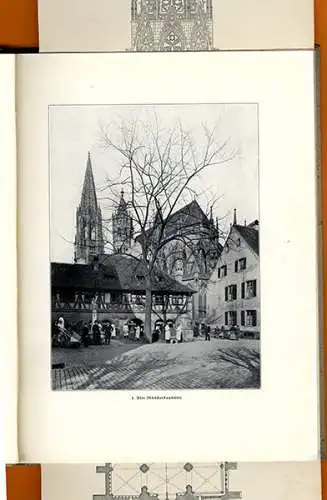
(9, 365)
(108, 25)
(114, 321)
(283, 480)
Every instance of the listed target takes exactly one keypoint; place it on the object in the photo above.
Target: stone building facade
(191, 259)
(234, 285)
(171, 25)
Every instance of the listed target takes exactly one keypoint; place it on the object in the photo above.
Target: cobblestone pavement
(196, 365)
(93, 355)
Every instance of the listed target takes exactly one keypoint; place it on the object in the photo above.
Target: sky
(256, 481)
(75, 130)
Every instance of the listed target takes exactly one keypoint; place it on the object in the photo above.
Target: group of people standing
(133, 332)
(173, 334)
(99, 332)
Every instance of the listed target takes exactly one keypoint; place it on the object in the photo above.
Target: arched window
(178, 267)
(191, 266)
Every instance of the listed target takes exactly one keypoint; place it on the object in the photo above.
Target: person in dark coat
(107, 333)
(207, 333)
(96, 333)
(85, 335)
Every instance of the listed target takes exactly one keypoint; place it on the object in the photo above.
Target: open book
(167, 256)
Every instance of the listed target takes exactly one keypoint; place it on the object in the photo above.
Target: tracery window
(166, 5)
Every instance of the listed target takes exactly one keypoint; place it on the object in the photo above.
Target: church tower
(171, 25)
(89, 238)
(122, 227)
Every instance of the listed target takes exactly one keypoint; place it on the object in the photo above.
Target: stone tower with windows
(171, 25)
(89, 237)
(122, 227)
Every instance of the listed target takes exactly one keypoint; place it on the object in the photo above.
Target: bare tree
(160, 172)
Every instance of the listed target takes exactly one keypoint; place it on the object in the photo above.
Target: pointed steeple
(89, 198)
(89, 237)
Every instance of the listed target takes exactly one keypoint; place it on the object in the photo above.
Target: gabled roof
(112, 273)
(250, 235)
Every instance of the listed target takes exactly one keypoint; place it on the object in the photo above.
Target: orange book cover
(18, 24)
(23, 481)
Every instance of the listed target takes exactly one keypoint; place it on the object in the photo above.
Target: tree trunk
(148, 312)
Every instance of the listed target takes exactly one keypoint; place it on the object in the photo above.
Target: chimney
(244, 222)
(235, 217)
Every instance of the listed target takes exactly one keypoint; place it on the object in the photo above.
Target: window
(240, 265)
(242, 318)
(230, 293)
(158, 300)
(249, 289)
(222, 271)
(251, 318)
(230, 318)
(238, 242)
(178, 267)
(140, 300)
(140, 278)
(177, 300)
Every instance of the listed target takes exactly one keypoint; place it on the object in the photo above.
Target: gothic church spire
(89, 237)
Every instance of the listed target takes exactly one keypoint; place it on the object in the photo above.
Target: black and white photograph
(154, 242)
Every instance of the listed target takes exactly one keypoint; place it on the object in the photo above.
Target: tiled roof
(188, 216)
(112, 272)
(250, 235)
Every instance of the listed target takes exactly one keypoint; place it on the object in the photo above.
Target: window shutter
(254, 322)
(226, 318)
(236, 266)
(242, 318)
(254, 288)
(226, 293)
(243, 290)
(235, 292)
(218, 272)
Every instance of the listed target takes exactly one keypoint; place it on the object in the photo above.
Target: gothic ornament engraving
(171, 25)
(172, 36)
(200, 36)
